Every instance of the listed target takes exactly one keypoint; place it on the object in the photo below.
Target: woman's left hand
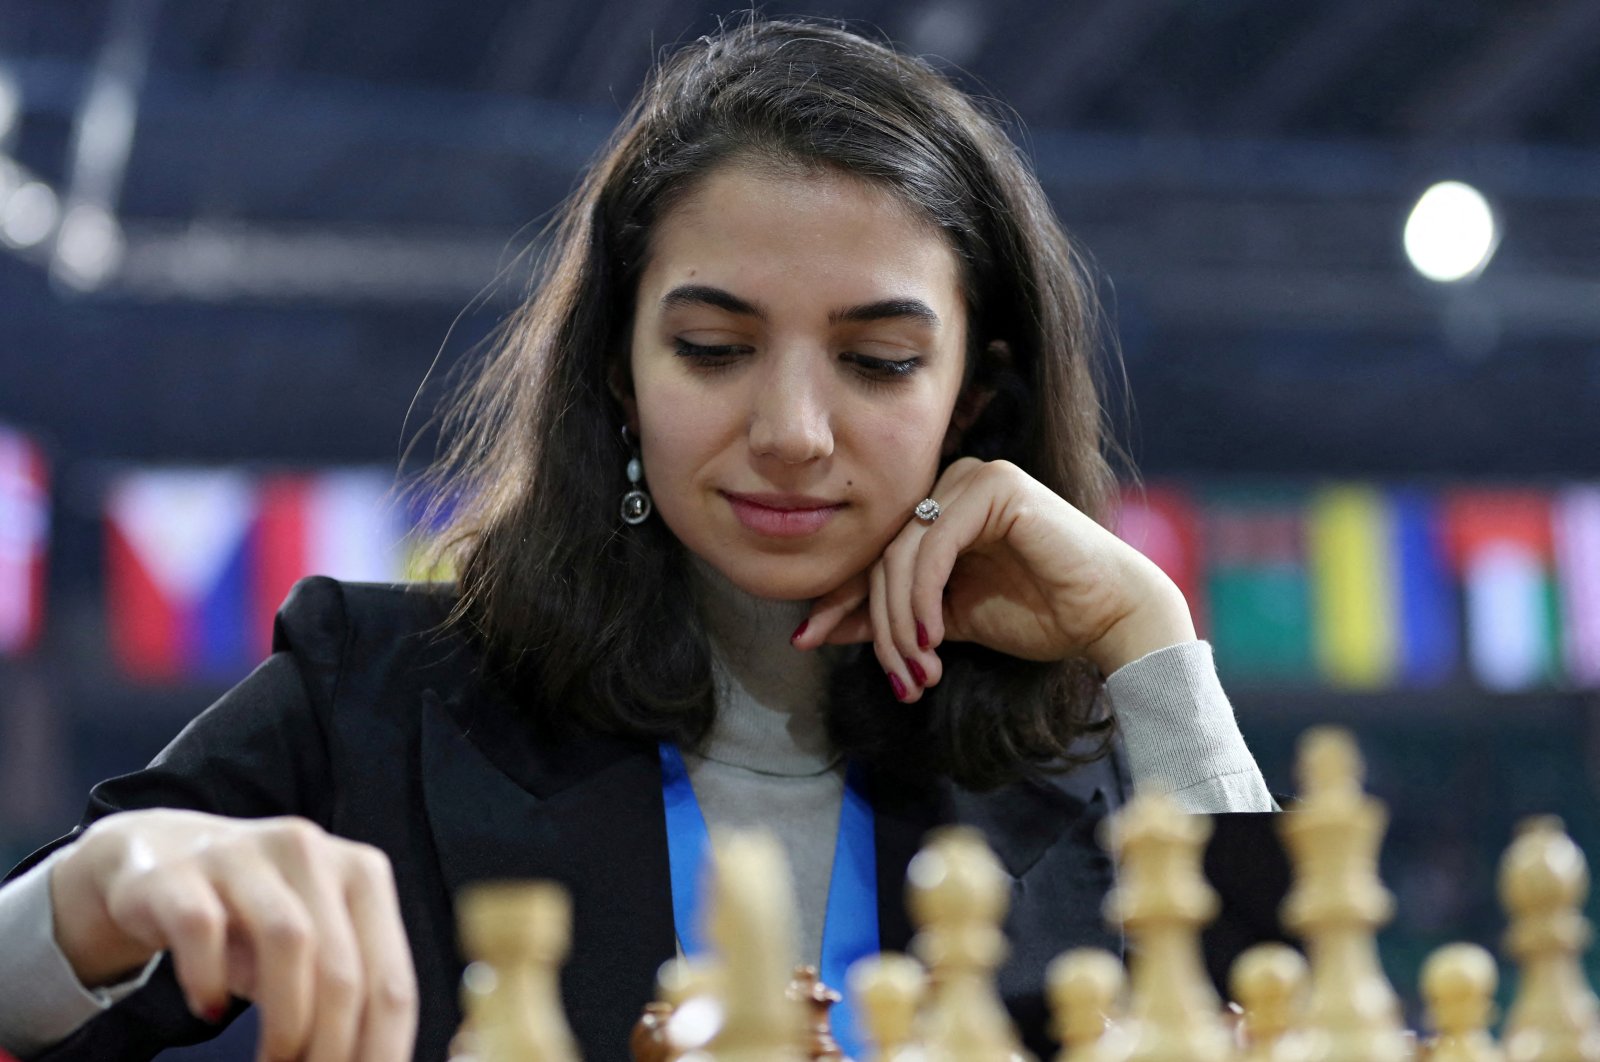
(1008, 564)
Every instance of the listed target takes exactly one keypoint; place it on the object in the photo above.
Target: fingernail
(922, 636)
(898, 686)
(919, 676)
(214, 1014)
(798, 631)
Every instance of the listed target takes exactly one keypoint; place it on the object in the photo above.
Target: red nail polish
(215, 1014)
(919, 676)
(798, 631)
(922, 636)
(898, 686)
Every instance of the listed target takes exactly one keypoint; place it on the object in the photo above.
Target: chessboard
(1329, 1001)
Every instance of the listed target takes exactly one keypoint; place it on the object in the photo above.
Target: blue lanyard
(850, 926)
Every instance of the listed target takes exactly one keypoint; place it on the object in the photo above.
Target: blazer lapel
(585, 812)
(1022, 822)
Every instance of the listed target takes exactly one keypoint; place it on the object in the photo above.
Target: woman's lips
(781, 517)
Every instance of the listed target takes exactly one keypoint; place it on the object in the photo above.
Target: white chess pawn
(1458, 983)
(1086, 988)
(888, 990)
(517, 936)
(1269, 982)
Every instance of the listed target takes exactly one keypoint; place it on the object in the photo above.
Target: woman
(786, 481)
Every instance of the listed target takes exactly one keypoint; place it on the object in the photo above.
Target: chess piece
(649, 1043)
(689, 987)
(958, 897)
(817, 999)
(751, 924)
(888, 989)
(516, 936)
(1458, 983)
(1544, 880)
(1269, 981)
(1162, 900)
(1337, 903)
(1086, 988)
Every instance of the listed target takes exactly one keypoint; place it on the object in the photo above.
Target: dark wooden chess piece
(807, 988)
(649, 1040)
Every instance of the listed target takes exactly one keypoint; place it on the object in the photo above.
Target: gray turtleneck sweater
(767, 763)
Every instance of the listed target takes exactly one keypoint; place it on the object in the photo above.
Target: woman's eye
(709, 356)
(883, 368)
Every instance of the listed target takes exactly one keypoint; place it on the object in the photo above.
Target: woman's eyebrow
(884, 309)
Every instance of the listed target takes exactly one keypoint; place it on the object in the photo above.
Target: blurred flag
(24, 539)
(178, 584)
(1258, 588)
(1163, 524)
(1500, 545)
(1381, 588)
(1577, 547)
(1350, 545)
(199, 561)
(1429, 611)
(341, 523)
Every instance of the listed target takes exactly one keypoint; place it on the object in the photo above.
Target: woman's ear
(975, 395)
(620, 382)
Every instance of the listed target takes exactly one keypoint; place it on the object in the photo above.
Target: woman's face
(798, 348)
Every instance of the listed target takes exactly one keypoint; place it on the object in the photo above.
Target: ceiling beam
(1081, 50)
(1335, 40)
(1524, 59)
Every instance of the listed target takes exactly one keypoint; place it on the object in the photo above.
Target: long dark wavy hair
(592, 621)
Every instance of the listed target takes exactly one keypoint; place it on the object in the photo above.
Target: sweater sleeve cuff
(1177, 724)
(44, 1002)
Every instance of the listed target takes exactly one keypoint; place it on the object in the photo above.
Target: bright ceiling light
(89, 247)
(29, 215)
(10, 105)
(1451, 233)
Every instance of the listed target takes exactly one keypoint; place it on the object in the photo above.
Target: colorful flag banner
(24, 542)
(1500, 545)
(1163, 524)
(177, 575)
(342, 523)
(1384, 607)
(1429, 624)
(1350, 541)
(1576, 529)
(1258, 586)
(199, 560)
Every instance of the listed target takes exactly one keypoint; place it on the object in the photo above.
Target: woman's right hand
(277, 911)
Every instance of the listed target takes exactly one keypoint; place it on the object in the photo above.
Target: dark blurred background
(268, 231)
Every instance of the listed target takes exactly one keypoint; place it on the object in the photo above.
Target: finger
(961, 521)
(182, 914)
(302, 852)
(883, 643)
(831, 610)
(898, 564)
(855, 628)
(389, 1026)
(926, 594)
(281, 941)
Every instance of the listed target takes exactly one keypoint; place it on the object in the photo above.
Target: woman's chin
(788, 580)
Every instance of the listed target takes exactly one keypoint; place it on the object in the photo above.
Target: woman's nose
(791, 415)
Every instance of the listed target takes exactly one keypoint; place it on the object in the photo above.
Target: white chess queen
(793, 464)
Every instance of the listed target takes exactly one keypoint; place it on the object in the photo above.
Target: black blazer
(371, 722)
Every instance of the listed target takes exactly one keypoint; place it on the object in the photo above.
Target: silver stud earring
(636, 505)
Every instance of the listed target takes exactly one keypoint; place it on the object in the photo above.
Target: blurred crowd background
(1351, 250)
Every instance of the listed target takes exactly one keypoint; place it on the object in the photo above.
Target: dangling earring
(636, 504)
